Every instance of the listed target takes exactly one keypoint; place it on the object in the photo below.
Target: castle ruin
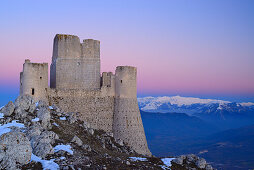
(107, 101)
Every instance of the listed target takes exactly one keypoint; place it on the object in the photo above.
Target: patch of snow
(50, 107)
(202, 152)
(1, 115)
(62, 157)
(247, 104)
(1, 107)
(66, 148)
(55, 124)
(62, 118)
(46, 164)
(164, 167)
(167, 161)
(35, 119)
(5, 128)
(219, 108)
(137, 159)
(36, 104)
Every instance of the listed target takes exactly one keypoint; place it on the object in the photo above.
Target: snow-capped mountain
(190, 105)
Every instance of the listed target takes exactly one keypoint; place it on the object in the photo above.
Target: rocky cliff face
(38, 136)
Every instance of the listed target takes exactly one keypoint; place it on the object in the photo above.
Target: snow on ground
(55, 124)
(1, 115)
(167, 161)
(137, 159)
(46, 164)
(66, 148)
(35, 119)
(50, 107)
(1, 107)
(36, 104)
(247, 104)
(6, 127)
(62, 118)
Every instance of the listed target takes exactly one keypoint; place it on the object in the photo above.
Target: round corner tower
(127, 123)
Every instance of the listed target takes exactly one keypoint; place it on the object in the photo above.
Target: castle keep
(107, 101)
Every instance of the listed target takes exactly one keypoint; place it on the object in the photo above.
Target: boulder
(19, 113)
(50, 135)
(42, 104)
(43, 149)
(208, 167)
(86, 125)
(91, 131)
(44, 116)
(34, 130)
(87, 147)
(45, 137)
(201, 163)
(14, 148)
(76, 140)
(25, 102)
(8, 109)
(119, 142)
(178, 161)
(56, 109)
(72, 117)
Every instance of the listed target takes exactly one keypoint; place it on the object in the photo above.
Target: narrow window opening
(46, 89)
(40, 77)
(121, 81)
(32, 91)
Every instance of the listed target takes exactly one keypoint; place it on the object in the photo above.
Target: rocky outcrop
(15, 149)
(8, 109)
(190, 161)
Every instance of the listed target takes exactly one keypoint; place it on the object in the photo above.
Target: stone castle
(107, 101)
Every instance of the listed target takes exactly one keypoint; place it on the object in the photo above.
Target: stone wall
(92, 106)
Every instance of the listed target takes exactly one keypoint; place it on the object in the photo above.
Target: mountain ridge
(191, 105)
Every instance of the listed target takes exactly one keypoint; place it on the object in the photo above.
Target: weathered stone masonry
(107, 102)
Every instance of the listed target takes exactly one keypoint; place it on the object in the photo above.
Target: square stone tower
(75, 65)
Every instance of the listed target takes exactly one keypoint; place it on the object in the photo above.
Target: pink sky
(178, 48)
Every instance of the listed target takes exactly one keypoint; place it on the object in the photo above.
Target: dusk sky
(188, 48)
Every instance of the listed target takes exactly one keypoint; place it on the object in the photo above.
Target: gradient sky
(190, 48)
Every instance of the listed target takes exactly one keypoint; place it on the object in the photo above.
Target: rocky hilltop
(34, 135)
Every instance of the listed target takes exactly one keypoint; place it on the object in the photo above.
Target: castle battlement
(107, 101)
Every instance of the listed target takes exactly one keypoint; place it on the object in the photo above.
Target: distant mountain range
(223, 114)
(220, 131)
(191, 105)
